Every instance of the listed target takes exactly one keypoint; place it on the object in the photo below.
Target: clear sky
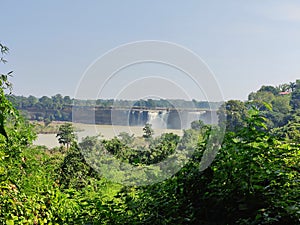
(245, 43)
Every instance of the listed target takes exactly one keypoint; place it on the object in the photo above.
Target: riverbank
(105, 131)
(48, 128)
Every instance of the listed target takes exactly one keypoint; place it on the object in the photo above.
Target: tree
(74, 171)
(295, 101)
(57, 101)
(126, 138)
(235, 112)
(66, 134)
(46, 102)
(261, 96)
(4, 84)
(284, 87)
(292, 86)
(271, 89)
(67, 100)
(15, 137)
(259, 177)
(197, 125)
(291, 130)
(281, 104)
(32, 101)
(148, 131)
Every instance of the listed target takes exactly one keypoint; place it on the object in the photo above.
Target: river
(106, 131)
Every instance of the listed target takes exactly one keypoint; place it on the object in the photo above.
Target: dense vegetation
(254, 178)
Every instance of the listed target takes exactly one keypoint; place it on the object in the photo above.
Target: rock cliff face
(170, 119)
(159, 118)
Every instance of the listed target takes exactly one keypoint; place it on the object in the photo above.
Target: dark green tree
(284, 87)
(57, 101)
(46, 102)
(235, 112)
(295, 101)
(4, 84)
(67, 100)
(281, 104)
(292, 86)
(66, 134)
(74, 171)
(148, 131)
(32, 100)
(269, 88)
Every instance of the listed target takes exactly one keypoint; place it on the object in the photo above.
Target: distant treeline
(59, 108)
(284, 100)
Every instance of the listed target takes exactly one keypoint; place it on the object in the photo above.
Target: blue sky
(245, 43)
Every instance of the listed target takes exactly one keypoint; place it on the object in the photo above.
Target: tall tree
(66, 134)
(57, 101)
(284, 87)
(4, 84)
(292, 86)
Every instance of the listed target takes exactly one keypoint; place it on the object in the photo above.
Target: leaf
(2, 130)
(10, 222)
(268, 106)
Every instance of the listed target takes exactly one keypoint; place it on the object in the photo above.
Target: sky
(245, 44)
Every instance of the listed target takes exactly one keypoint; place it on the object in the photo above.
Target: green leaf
(2, 130)
(268, 106)
(10, 222)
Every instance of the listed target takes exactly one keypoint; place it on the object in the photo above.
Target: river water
(106, 131)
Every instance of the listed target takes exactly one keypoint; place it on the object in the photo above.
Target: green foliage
(290, 131)
(5, 107)
(197, 125)
(251, 167)
(254, 178)
(74, 172)
(235, 112)
(295, 101)
(160, 148)
(59, 108)
(66, 134)
(148, 131)
(156, 150)
(126, 138)
(270, 89)
(281, 104)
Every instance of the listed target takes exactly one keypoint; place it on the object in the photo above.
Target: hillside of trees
(253, 179)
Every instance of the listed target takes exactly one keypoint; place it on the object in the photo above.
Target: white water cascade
(193, 116)
(158, 119)
(140, 118)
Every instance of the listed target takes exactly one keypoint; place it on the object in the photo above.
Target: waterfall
(193, 116)
(158, 119)
(140, 118)
(208, 117)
